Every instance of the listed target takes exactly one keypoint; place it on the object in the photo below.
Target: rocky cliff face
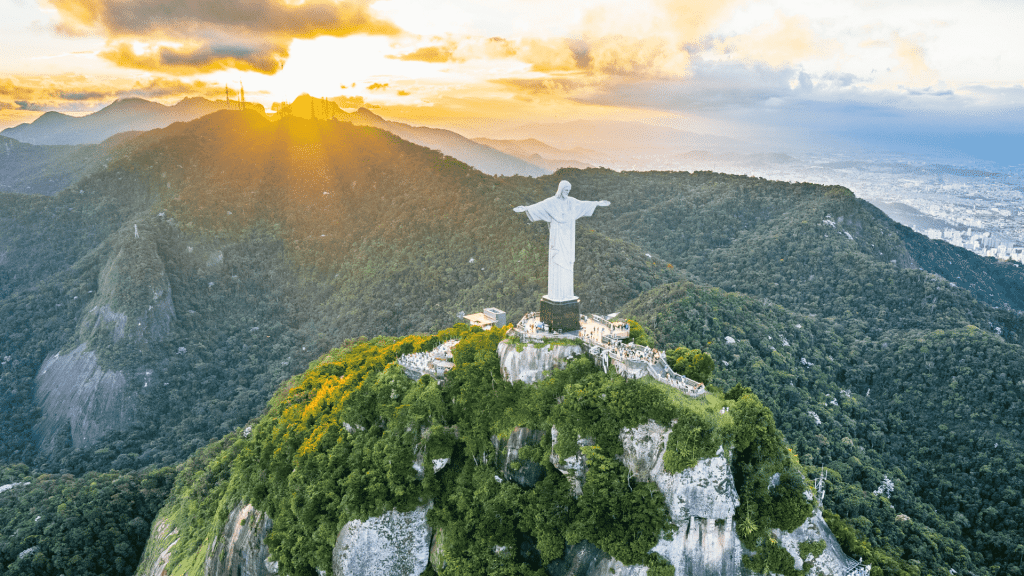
(830, 561)
(155, 558)
(522, 471)
(133, 304)
(574, 467)
(395, 544)
(241, 550)
(78, 396)
(585, 559)
(529, 362)
(702, 501)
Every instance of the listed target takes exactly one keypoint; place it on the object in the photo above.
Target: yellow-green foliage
(341, 445)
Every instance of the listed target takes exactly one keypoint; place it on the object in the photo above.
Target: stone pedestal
(560, 316)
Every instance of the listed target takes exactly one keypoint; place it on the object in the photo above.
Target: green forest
(887, 360)
(95, 523)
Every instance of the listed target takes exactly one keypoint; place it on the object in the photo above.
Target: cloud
(187, 37)
(78, 93)
(912, 59)
(81, 95)
(427, 54)
(172, 88)
(264, 57)
(675, 21)
(170, 18)
(42, 93)
(711, 86)
(779, 42)
(543, 86)
(12, 91)
(348, 101)
(376, 86)
(613, 55)
(550, 55)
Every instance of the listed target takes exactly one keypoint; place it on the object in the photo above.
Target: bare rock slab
(527, 362)
(241, 550)
(75, 392)
(393, 544)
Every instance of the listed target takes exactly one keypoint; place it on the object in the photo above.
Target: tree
(694, 364)
(637, 334)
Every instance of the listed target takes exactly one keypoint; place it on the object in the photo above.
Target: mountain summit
(123, 115)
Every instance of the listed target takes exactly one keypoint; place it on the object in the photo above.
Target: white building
(488, 319)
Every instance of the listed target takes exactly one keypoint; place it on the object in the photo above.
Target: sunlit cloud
(750, 59)
(428, 54)
(190, 37)
(778, 43)
(348, 101)
(79, 92)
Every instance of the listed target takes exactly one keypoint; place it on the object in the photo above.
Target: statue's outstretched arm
(603, 203)
(519, 209)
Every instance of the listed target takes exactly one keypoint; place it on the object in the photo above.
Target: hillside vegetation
(91, 524)
(342, 231)
(920, 432)
(340, 443)
(260, 246)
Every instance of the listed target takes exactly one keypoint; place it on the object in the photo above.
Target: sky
(915, 72)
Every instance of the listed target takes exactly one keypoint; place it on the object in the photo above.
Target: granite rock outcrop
(393, 544)
(528, 362)
(241, 548)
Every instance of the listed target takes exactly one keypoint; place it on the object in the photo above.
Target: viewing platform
(606, 341)
(602, 338)
(433, 363)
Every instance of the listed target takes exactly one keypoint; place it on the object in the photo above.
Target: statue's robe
(561, 214)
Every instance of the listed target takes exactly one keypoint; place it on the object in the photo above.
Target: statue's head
(563, 189)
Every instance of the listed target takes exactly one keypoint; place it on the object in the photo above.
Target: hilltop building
(488, 319)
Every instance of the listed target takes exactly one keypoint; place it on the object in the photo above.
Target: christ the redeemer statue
(560, 307)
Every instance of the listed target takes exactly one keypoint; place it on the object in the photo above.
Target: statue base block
(560, 316)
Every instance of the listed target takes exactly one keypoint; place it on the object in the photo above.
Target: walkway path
(605, 340)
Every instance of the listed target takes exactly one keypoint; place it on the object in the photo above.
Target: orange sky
(689, 63)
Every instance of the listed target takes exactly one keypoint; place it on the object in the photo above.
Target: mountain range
(165, 297)
(127, 115)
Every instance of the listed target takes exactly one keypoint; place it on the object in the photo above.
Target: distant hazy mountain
(482, 157)
(136, 114)
(536, 152)
(130, 114)
(611, 135)
(705, 160)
